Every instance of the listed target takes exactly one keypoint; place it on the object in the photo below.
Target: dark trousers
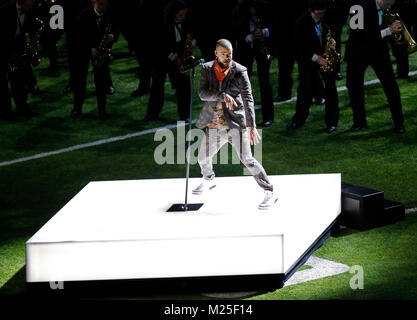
(181, 82)
(247, 58)
(286, 61)
(5, 101)
(70, 44)
(310, 76)
(355, 83)
(102, 80)
(18, 86)
(145, 70)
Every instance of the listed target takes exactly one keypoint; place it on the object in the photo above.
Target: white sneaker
(206, 185)
(269, 201)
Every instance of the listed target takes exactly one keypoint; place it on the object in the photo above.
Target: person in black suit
(168, 57)
(15, 22)
(310, 33)
(72, 9)
(368, 47)
(253, 31)
(91, 29)
(148, 10)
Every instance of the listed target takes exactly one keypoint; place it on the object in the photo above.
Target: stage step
(364, 208)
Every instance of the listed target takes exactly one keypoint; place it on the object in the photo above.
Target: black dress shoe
(75, 113)
(399, 129)
(339, 76)
(282, 98)
(294, 126)
(267, 123)
(330, 129)
(140, 92)
(357, 127)
(111, 91)
(320, 101)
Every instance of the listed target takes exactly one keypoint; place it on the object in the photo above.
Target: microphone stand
(183, 207)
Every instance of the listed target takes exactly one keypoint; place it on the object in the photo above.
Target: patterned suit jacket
(237, 85)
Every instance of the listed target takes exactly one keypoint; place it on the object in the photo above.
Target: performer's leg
(157, 96)
(385, 73)
(332, 101)
(5, 101)
(80, 84)
(286, 63)
(19, 93)
(304, 95)
(240, 141)
(183, 89)
(263, 66)
(355, 74)
(101, 82)
(213, 140)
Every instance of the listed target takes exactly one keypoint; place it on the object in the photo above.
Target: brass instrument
(104, 49)
(30, 54)
(330, 54)
(403, 40)
(188, 60)
(265, 49)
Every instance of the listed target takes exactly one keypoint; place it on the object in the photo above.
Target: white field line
(136, 134)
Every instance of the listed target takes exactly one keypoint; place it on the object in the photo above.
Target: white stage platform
(120, 230)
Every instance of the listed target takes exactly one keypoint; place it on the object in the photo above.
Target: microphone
(193, 65)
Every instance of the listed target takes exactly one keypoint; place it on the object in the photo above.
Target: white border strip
(320, 268)
(140, 133)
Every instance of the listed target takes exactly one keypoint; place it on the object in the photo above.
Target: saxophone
(187, 59)
(30, 55)
(330, 54)
(104, 49)
(265, 49)
(403, 40)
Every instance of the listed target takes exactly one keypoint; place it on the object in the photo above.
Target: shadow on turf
(16, 288)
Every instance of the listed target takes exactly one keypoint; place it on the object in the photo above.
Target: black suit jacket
(366, 43)
(241, 25)
(8, 26)
(306, 42)
(88, 35)
(166, 38)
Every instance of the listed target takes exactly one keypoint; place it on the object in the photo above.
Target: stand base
(181, 207)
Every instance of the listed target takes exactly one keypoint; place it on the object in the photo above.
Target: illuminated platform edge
(118, 234)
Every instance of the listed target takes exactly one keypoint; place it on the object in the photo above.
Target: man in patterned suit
(228, 116)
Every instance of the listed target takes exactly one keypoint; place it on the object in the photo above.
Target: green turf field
(33, 191)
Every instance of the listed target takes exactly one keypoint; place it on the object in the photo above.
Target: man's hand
(322, 61)
(230, 102)
(255, 138)
(109, 39)
(94, 52)
(396, 27)
(178, 61)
